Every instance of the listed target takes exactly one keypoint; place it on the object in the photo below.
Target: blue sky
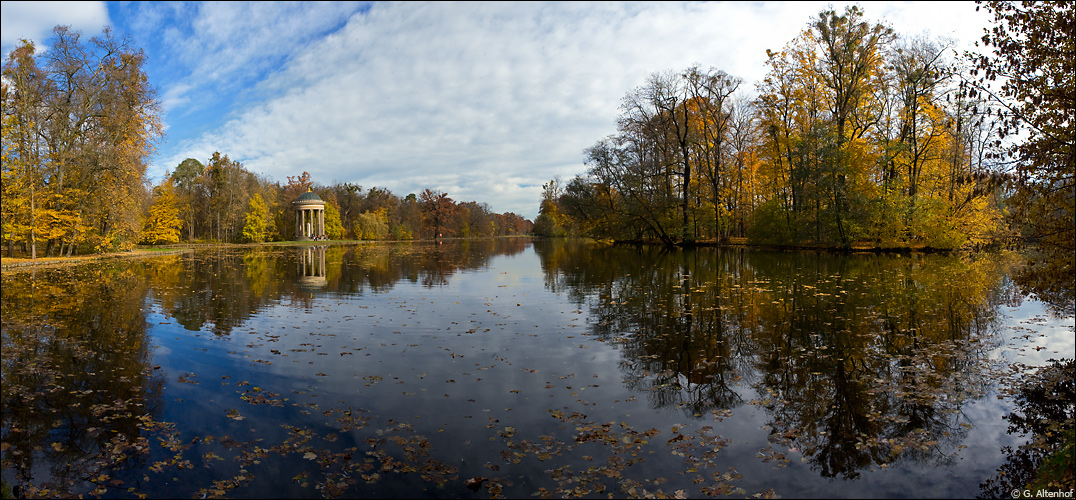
(485, 101)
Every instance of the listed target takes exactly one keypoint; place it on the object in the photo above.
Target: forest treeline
(80, 121)
(221, 200)
(857, 136)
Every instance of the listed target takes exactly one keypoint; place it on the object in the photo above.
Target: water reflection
(858, 361)
(311, 267)
(1046, 413)
(81, 393)
(302, 361)
(221, 289)
(80, 397)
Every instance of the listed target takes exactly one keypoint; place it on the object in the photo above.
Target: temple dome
(308, 196)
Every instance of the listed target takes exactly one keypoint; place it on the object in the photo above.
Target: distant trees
(855, 136)
(221, 200)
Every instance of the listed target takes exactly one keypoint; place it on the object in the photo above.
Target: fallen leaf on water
(475, 483)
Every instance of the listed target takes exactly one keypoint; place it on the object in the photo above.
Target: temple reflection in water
(311, 267)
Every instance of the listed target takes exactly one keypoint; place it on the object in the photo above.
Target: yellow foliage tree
(162, 223)
(371, 225)
(258, 222)
(334, 229)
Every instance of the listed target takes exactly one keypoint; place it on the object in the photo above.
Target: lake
(515, 368)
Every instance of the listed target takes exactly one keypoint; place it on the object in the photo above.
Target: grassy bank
(17, 263)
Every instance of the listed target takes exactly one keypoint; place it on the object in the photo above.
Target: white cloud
(176, 95)
(35, 20)
(238, 40)
(486, 101)
(484, 92)
(957, 20)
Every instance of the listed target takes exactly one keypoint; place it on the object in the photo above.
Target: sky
(484, 101)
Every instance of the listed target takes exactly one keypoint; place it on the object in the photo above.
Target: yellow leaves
(162, 223)
(258, 220)
(371, 225)
(56, 224)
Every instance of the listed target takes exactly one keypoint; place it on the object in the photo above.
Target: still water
(515, 368)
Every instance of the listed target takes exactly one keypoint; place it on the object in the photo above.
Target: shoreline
(14, 264)
(11, 264)
(21, 263)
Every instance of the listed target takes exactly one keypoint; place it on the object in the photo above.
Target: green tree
(258, 221)
(370, 226)
(190, 191)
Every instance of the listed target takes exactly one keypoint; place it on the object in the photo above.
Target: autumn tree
(10, 193)
(854, 138)
(437, 210)
(23, 102)
(215, 199)
(1029, 76)
(550, 222)
(851, 63)
(191, 192)
(257, 220)
(334, 229)
(710, 95)
(84, 123)
(370, 226)
(110, 125)
(656, 118)
(162, 223)
(408, 219)
(297, 185)
(229, 186)
(349, 197)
